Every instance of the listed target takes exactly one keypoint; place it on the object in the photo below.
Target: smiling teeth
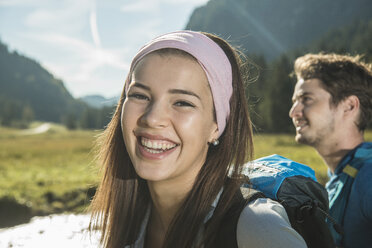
(300, 124)
(156, 146)
(153, 151)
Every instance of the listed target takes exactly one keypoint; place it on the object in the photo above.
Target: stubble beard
(316, 137)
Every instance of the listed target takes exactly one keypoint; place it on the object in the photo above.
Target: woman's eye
(184, 104)
(138, 96)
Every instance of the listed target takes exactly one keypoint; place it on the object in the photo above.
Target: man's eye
(138, 96)
(184, 104)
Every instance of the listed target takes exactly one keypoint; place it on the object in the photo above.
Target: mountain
(28, 91)
(272, 27)
(355, 38)
(273, 33)
(97, 101)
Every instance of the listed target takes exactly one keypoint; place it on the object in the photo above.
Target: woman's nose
(155, 116)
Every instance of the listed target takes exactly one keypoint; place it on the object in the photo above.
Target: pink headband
(212, 59)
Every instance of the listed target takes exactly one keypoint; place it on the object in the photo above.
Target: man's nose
(296, 110)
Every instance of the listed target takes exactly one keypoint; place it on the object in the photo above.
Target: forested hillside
(271, 27)
(355, 38)
(29, 92)
(274, 32)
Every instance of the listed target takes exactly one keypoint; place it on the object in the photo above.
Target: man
(332, 106)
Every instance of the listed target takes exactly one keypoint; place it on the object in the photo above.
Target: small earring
(215, 142)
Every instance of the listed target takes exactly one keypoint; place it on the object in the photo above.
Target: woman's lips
(155, 147)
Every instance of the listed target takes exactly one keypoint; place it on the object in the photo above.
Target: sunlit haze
(88, 44)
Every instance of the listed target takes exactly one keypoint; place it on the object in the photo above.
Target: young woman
(173, 153)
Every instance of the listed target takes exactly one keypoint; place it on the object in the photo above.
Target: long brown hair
(122, 198)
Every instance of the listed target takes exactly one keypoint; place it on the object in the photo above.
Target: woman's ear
(214, 134)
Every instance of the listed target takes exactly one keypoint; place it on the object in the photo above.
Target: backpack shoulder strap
(350, 170)
(250, 194)
(226, 235)
(361, 155)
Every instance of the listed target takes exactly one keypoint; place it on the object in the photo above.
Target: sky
(89, 44)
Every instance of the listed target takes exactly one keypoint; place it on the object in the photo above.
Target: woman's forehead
(177, 71)
(170, 63)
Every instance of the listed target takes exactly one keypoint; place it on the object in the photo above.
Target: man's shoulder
(363, 158)
(363, 182)
(365, 172)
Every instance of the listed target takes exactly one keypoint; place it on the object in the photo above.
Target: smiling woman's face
(167, 118)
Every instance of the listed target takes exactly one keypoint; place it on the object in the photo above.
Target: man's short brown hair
(341, 76)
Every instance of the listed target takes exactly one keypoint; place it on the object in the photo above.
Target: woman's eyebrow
(186, 92)
(139, 85)
(172, 91)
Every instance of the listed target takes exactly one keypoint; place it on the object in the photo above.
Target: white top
(263, 223)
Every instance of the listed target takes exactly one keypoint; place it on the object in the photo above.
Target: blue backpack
(294, 185)
(268, 174)
(340, 190)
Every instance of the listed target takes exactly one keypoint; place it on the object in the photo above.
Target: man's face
(313, 116)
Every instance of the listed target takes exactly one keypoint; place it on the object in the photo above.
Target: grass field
(54, 171)
(45, 173)
(286, 146)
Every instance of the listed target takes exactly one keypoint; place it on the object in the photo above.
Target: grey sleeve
(264, 223)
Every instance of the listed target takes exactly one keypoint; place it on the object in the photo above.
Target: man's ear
(351, 105)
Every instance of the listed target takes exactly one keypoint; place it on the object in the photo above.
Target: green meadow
(45, 173)
(55, 172)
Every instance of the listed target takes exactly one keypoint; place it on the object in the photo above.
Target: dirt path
(40, 129)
